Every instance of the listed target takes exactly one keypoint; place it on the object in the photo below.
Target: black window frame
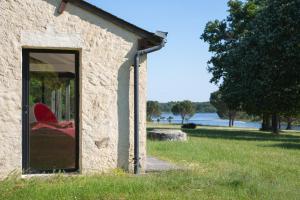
(25, 110)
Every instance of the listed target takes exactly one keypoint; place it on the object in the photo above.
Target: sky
(178, 71)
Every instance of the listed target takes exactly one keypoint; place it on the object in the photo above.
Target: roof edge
(152, 38)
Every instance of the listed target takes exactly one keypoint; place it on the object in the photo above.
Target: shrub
(189, 126)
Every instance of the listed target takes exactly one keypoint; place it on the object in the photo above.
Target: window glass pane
(52, 134)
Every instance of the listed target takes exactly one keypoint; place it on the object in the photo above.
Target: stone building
(68, 72)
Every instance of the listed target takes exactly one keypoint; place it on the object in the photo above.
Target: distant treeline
(201, 107)
(207, 107)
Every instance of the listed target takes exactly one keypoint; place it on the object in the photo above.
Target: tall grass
(218, 163)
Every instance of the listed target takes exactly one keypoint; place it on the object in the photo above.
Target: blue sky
(177, 72)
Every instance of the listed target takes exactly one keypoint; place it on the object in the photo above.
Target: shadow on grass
(292, 146)
(240, 135)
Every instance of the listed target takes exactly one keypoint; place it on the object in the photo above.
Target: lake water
(212, 119)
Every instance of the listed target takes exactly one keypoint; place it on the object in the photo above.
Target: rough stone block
(167, 135)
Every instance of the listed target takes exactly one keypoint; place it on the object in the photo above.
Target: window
(50, 111)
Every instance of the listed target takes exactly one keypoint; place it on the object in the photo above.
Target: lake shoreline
(212, 120)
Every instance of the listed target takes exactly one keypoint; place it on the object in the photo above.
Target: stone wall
(106, 81)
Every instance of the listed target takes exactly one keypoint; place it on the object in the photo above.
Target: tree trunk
(231, 115)
(232, 122)
(230, 119)
(268, 122)
(266, 125)
(275, 123)
(289, 123)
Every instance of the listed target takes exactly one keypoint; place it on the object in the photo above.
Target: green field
(219, 163)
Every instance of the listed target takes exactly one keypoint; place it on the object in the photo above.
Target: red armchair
(52, 143)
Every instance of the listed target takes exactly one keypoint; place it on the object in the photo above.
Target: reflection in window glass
(52, 111)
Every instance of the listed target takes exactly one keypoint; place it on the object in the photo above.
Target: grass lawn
(220, 163)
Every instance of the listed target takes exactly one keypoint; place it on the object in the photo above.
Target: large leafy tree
(256, 57)
(153, 110)
(271, 60)
(223, 38)
(223, 111)
(225, 35)
(184, 109)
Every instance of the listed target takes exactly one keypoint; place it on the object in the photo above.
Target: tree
(185, 109)
(223, 38)
(170, 118)
(223, 110)
(256, 58)
(153, 110)
(219, 104)
(201, 107)
(158, 120)
(271, 59)
(289, 123)
(204, 107)
(290, 118)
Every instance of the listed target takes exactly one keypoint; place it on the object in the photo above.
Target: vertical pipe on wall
(140, 53)
(136, 115)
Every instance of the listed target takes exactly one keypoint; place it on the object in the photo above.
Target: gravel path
(155, 165)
